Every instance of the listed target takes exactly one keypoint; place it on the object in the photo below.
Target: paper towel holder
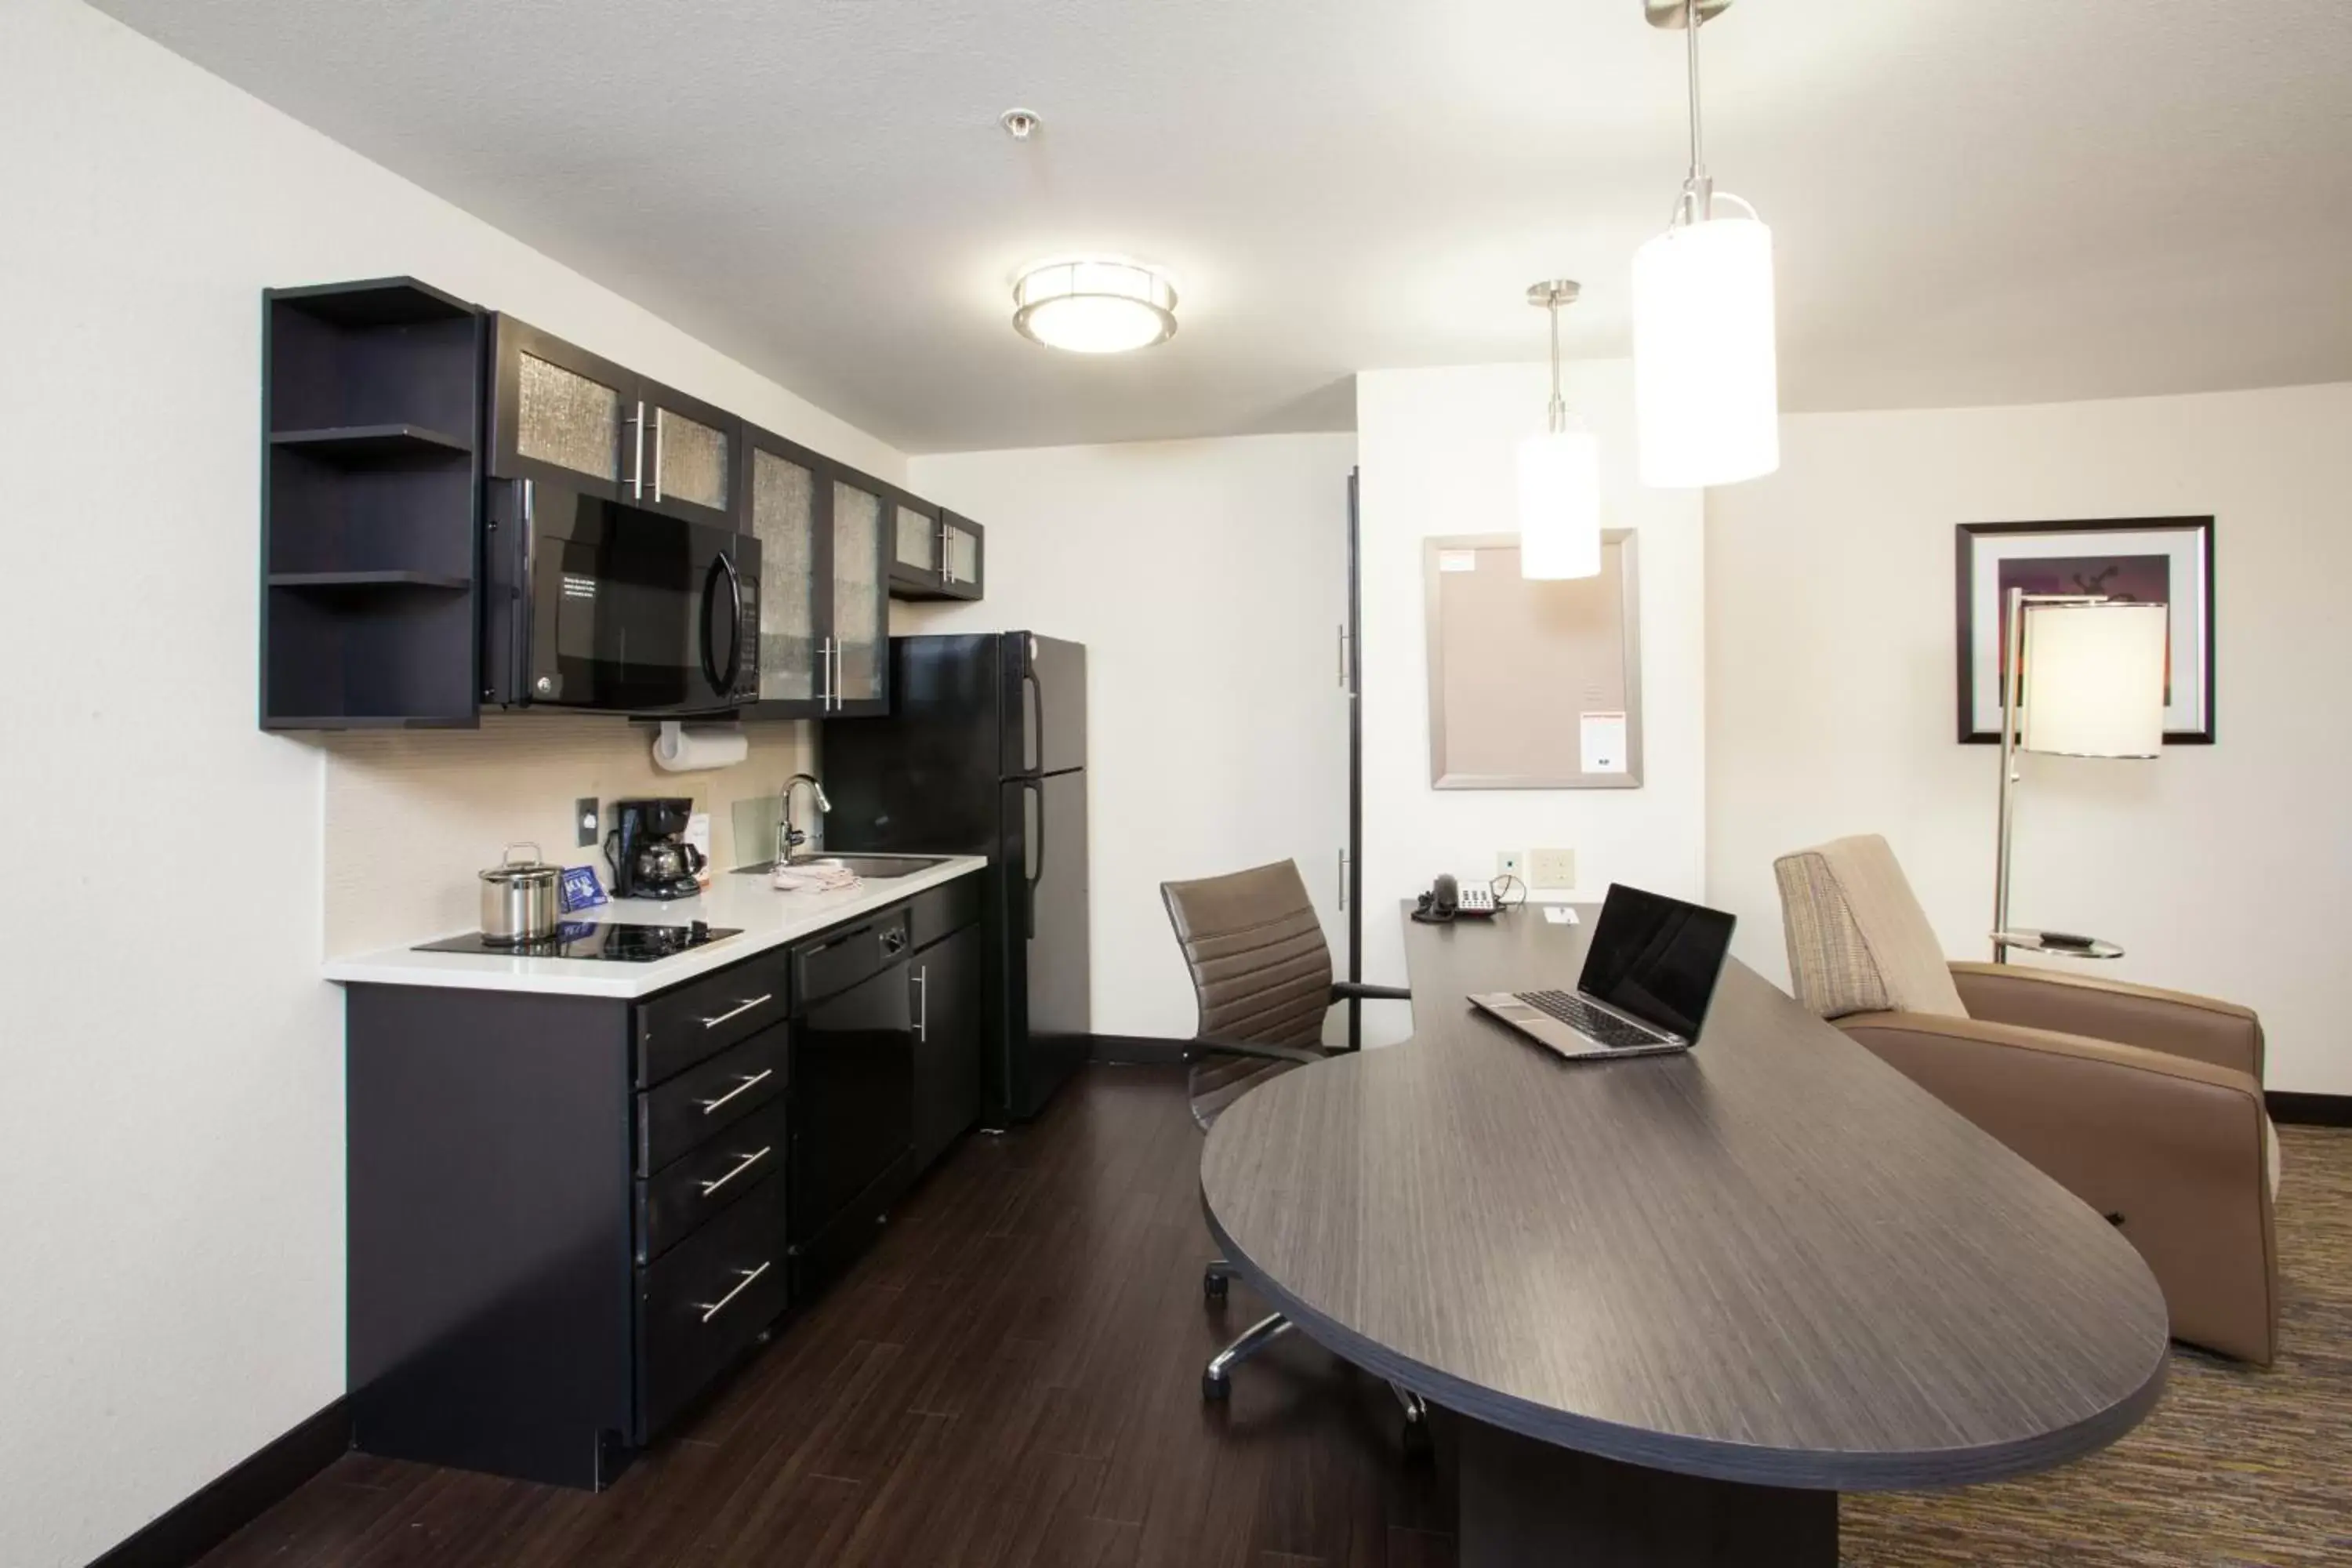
(677, 750)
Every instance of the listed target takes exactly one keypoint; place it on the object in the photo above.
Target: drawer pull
(760, 1077)
(712, 1308)
(739, 1012)
(749, 1160)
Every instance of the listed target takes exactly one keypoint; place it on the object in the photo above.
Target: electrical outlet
(586, 818)
(1506, 864)
(1552, 868)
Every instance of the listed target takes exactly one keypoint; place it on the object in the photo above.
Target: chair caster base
(1416, 1442)
(1212, 1286)
(1214, 1389)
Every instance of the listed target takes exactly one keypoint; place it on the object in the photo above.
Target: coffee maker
(648, 852)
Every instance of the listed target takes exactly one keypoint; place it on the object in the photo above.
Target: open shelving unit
(371, 477)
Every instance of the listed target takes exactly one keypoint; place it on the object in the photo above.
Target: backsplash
(411, 816)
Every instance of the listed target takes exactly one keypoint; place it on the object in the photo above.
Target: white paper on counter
(1602, 737)
(697, 833)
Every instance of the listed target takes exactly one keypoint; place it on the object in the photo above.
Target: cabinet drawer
(944, 910)
(704, 1017)
(705, 1301)
(833, 962)
(718, 1173)
(675, 1117)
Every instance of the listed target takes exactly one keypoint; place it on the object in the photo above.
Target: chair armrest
(2174, 1021)
(1346, 989)
(1302, 1055)
(2178, 1148)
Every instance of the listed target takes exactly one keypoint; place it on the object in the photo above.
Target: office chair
(1261, 977)
(2145, 1104)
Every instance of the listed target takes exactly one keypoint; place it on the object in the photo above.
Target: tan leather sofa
(2145, 1104)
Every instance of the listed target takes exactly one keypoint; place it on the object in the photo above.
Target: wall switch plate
(1552, 868)
(588, 820)
(1508, 863)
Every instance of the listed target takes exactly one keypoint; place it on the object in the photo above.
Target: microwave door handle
(710, 602)
(735, 635)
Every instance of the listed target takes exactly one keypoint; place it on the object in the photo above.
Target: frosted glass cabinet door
(566, 418)
(962, 540)
(857, 623)
(691, 460)
(783, 519)
(917, 540)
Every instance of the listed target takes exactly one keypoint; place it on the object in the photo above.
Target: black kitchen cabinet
(564, 415)
(570, 1216)
(370, 506)
(824, 623)
(934, 553)
(950, 1023)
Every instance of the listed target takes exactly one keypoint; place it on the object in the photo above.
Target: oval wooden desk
(1680, 1301)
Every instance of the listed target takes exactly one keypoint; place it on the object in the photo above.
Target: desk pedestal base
(1525, 1503)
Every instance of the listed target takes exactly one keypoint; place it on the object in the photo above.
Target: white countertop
(766, 917)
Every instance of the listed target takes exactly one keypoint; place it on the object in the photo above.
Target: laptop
(1648, 977)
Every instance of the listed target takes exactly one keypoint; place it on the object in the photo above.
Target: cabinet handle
(660, 423)
(760, 1077)
(638, 454)
(712, 1308)
(738, 1011)
(923, 1003)
(947, 559)
(749, 1160)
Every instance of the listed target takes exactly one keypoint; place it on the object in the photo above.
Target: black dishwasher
(852, 1086)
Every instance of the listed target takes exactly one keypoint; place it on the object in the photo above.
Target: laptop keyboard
(1586, 1019)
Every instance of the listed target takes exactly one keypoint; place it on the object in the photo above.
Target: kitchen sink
(874, 867)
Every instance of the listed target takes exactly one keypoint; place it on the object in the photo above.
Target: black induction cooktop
(612, 941)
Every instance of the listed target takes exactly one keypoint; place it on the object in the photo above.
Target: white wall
(2222, 869)
(171, 1128)
(1208, 580)
(1437, 449)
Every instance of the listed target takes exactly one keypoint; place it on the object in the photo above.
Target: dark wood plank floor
(1012, 1376)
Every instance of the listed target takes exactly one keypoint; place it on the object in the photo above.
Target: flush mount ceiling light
(1095, 305)
(1559, 474)
(1706, 378)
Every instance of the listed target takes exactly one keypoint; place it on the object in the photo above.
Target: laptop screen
(1656, 958)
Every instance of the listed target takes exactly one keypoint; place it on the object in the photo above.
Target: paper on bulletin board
(1602, 742)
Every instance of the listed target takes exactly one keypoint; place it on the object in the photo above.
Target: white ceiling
(1975, 201)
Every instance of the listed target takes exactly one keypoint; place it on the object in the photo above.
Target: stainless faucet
(788, 837)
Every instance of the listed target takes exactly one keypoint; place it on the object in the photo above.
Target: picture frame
(2131, 558)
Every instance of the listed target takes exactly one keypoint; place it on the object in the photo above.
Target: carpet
(2236, 1465)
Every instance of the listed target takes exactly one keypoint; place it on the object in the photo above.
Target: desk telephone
(1448, 900)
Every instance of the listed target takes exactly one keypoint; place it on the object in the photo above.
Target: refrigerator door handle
(1032, 790)
(1037, 688)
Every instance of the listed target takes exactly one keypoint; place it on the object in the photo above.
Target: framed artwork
(2150, 559)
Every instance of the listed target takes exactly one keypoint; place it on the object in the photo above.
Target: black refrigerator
(984, 752)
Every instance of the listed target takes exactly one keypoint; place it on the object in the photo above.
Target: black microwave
(595, 605)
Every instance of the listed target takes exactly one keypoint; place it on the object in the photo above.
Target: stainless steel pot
(521, 899)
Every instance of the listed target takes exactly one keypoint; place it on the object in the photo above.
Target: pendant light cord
(1696, 203)
(1555, 412)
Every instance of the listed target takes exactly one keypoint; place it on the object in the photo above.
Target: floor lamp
(2083, 676)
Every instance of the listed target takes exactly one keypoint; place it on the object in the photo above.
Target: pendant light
(1559, 474)
(1705, 379)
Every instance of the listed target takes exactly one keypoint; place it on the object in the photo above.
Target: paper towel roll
(680, 749)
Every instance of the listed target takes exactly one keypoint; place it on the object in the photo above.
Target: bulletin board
(1532, 685)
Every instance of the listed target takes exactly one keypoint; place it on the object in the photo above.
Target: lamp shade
(1707, 384)
(2095, 678)
(1095, 305)
(1560, 505)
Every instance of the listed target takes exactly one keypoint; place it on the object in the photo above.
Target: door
(915, 542)
(1048, 1008)
(690, 456)
(853, 1096)
(859, 624)
(960, 550)
(948, 1032)
(785, 503)
(1044, 704)
(560, 414)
